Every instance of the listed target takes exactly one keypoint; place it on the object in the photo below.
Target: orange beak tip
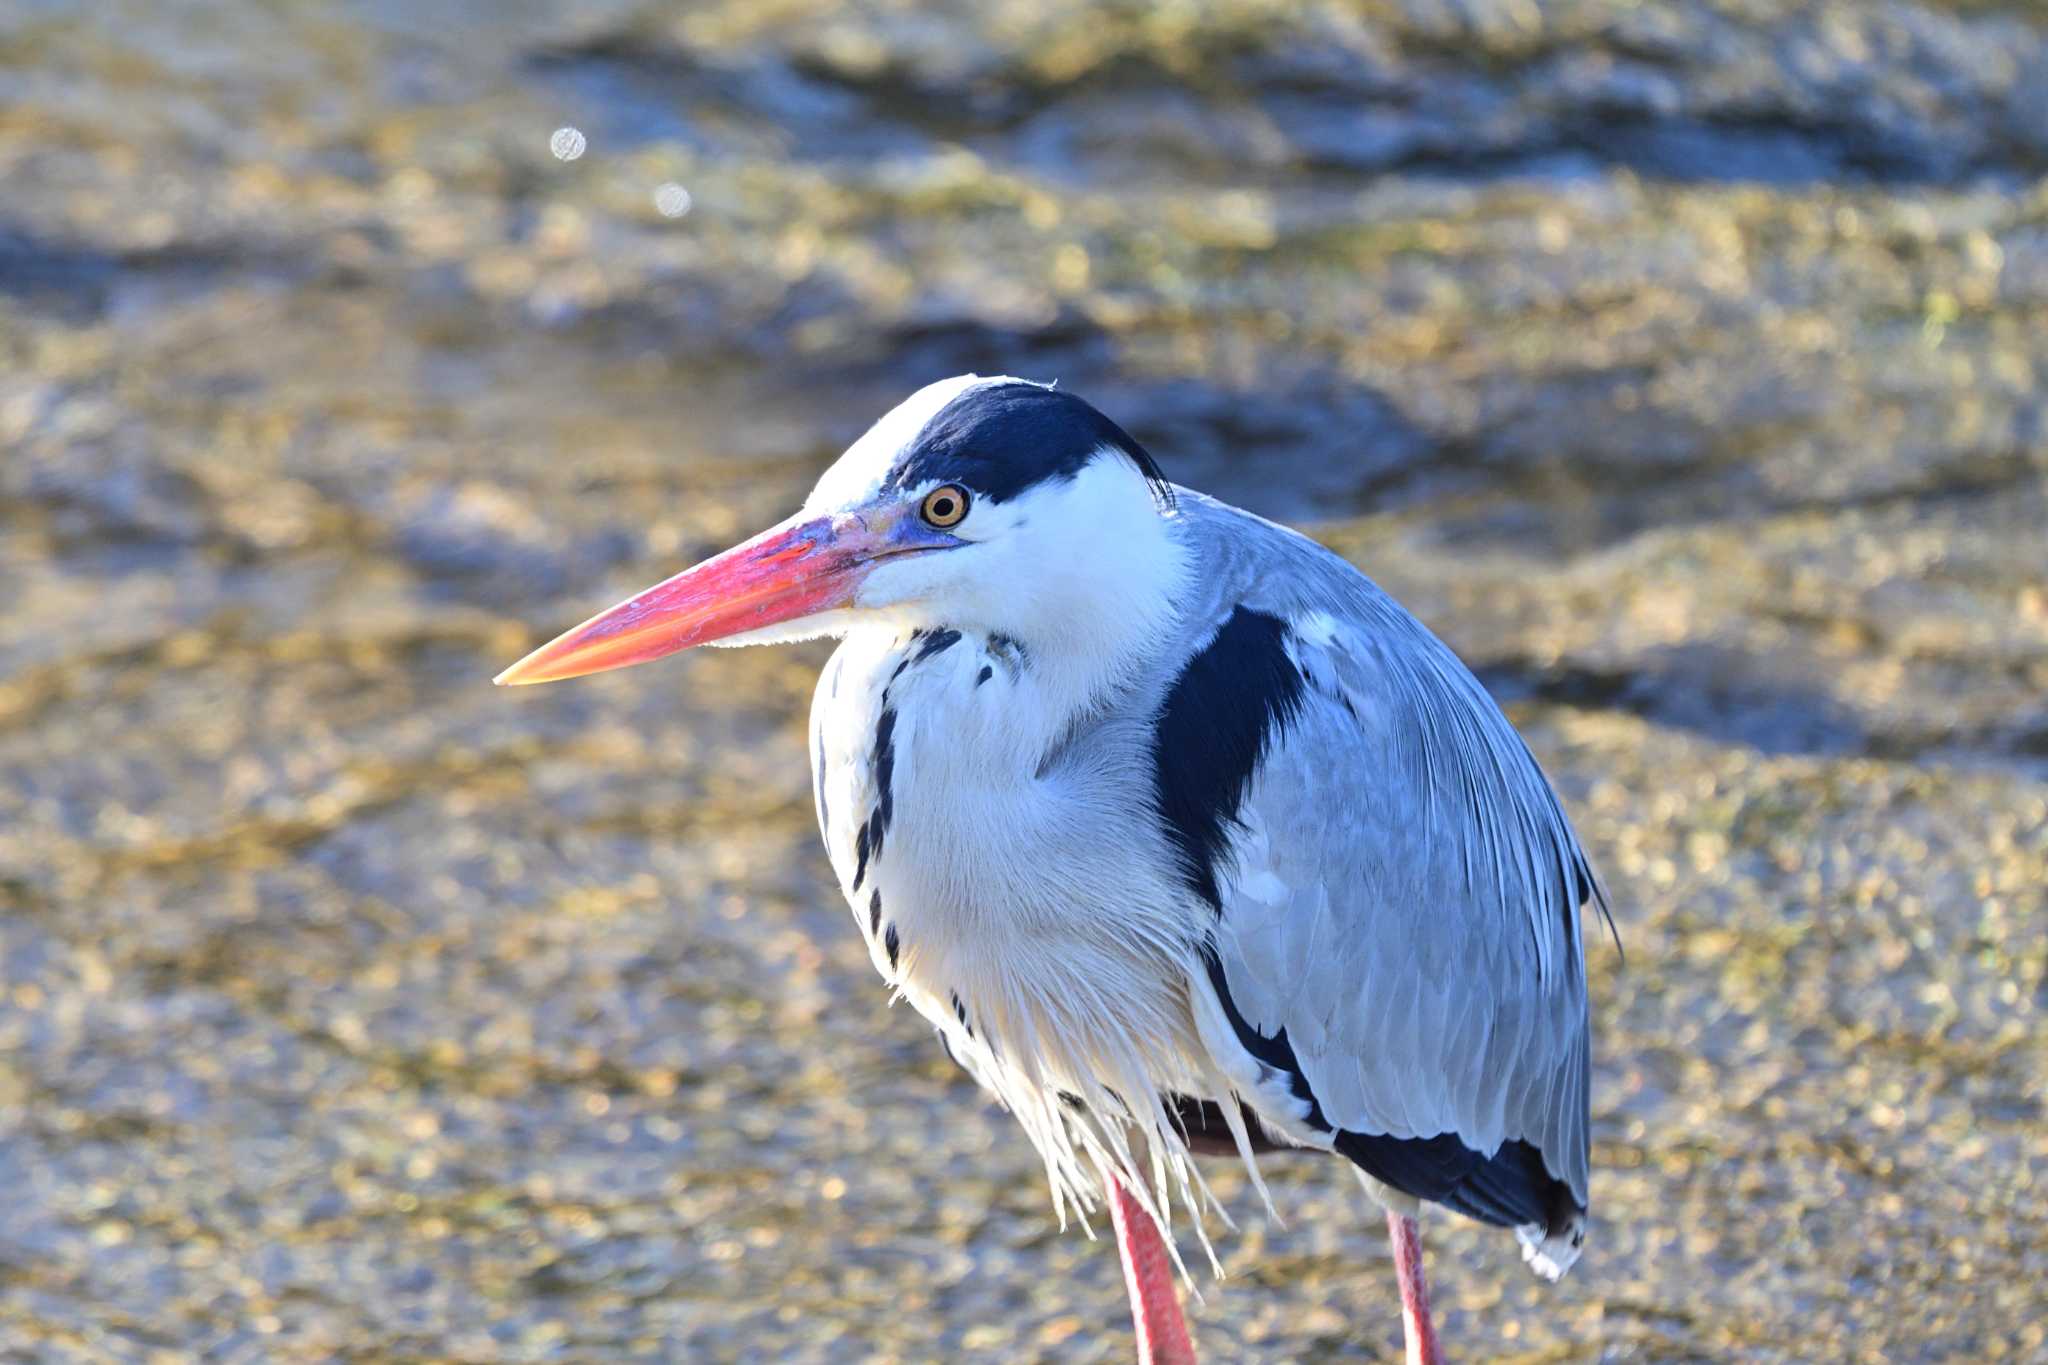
(527, 672)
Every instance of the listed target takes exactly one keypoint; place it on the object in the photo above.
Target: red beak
(802, 566)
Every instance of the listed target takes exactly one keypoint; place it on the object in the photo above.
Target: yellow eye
(944, 506)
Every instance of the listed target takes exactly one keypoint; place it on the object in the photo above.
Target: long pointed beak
(802, 566)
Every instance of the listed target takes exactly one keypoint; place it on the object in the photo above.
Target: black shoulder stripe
(1219, 717)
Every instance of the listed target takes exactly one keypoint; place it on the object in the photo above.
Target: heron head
(990, 504)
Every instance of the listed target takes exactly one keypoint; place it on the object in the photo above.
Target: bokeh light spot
(567, 143)
(672, 200)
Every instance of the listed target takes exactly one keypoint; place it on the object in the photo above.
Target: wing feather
(1400, 888)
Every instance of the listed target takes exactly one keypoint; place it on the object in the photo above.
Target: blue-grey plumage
(1380, 890)
(1176, 827)
(1401, 900)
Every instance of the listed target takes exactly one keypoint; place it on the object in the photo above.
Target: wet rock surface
(1678, 363)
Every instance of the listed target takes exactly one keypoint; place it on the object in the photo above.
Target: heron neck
(1084, 646)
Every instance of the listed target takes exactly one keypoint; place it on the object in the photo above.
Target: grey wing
(1399, 901)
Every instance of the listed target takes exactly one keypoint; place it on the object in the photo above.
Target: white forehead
(857, 475)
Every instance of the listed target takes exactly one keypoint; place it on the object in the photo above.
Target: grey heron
(1183, 834)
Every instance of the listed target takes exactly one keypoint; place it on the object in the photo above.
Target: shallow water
(1679, 364)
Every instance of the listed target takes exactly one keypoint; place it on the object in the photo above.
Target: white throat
(1085, 582)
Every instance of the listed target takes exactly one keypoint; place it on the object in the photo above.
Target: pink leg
(1415, 1322)
(1148, 1274)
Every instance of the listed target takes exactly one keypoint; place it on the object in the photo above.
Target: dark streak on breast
(938, 642)
(871, 833)
(875, 913)
(885, 776)
(892, 944)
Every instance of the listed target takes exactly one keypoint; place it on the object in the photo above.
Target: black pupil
(942, 506)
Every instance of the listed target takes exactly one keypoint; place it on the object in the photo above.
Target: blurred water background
(1680, 363)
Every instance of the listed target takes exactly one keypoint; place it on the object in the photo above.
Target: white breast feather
(997, 882)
